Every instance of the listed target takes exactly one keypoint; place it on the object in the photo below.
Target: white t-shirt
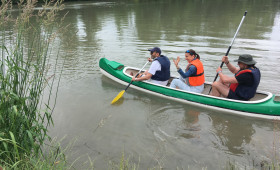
(156, 66)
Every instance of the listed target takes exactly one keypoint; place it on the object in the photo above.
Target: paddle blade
(118, 97)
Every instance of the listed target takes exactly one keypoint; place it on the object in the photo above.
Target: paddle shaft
(137, 75)
(230, 45)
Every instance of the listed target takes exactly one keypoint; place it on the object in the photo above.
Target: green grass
(25, 79)
(124, 164)
(53, 157)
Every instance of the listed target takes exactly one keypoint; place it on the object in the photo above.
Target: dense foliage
(24, 78)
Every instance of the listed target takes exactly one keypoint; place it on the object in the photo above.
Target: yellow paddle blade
(118, 97)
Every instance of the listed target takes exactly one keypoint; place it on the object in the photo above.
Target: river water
(150, 131)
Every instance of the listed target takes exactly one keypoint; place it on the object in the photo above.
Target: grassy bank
(52, 158)
(25, 78)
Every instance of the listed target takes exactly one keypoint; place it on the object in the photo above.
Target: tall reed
(25, 76)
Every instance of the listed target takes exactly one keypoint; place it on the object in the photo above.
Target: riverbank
(26, 79)
(160, 132)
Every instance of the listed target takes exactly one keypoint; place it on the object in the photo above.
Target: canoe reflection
(231, 134)
(227, 133)
(191, 124)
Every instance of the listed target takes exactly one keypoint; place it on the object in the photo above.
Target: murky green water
(163, 133)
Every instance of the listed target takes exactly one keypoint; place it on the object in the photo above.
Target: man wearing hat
(243, 85)
(159, 71)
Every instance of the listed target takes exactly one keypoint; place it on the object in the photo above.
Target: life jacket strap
(197, 74)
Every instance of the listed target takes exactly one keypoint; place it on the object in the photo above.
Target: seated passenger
(159, 72)
(243, 85)
(193, 78)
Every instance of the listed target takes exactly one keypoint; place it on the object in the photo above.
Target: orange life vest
(198, 79)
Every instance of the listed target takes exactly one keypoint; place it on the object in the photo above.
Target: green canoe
(263, 105)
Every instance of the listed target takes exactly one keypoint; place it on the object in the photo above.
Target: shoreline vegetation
(42, 1)
(26, 79)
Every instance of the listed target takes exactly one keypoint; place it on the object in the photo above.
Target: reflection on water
(231, 134)
(274, 35)
(191, 123)
(163, 133)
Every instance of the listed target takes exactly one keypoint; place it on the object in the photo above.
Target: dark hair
(252, 65)
(192, 52)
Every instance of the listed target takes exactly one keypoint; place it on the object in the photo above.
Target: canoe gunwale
(269, 95)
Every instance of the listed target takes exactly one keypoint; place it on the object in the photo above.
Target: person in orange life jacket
(159, 71)
(193, 79)
(243, 85)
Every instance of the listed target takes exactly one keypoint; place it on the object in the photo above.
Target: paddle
(122, 92)
(230, 46)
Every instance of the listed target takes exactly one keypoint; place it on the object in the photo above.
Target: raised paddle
(122, 92)
(230, 46)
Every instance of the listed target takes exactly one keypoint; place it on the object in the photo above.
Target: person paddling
(243, 85)
(159, 72)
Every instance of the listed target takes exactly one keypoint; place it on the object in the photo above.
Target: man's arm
(145, 77)
(154, 67)
(230, 67)
(226, 79)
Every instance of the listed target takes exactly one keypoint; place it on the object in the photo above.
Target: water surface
(157, 132)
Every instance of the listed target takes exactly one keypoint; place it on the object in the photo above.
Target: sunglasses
(188, 51)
